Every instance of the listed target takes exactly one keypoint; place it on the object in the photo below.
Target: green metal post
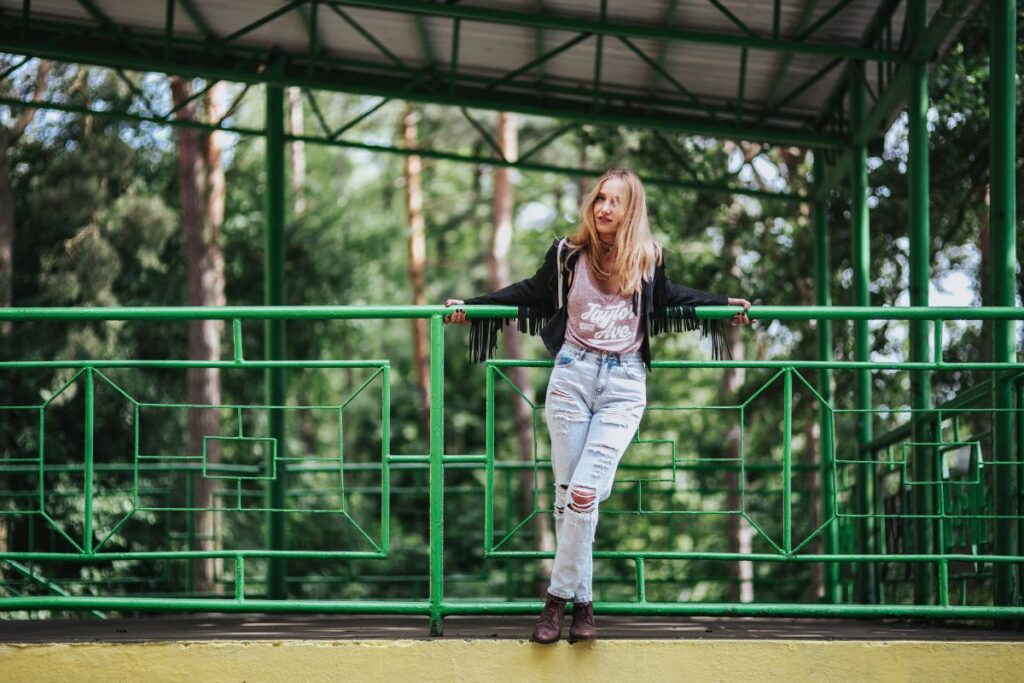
(385, 447)
(923, 501)
(274, 330)
(787, 461)
(641, 581)
(865, 586)
(1019, 391)
(236, 340)
(823, 297)
(1002, 221)
(190, 528)
(436, 474)
(90, 423)
(239, 578)
(489, 475)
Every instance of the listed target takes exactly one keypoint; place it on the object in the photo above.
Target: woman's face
(609, 205)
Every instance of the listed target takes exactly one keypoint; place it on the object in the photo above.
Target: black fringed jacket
(543, 304)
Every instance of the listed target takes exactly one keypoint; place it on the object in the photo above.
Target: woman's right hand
(457, 317)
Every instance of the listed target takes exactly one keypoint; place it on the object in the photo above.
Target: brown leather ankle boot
(582, 627)
(549, 626)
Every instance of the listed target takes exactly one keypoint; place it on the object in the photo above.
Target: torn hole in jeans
(615, 418)
(564, 411)
(583, 499)
(560, 496)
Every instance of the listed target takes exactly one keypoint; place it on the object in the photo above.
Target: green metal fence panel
(109, 524)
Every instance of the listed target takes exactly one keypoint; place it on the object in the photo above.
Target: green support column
(1002, 220)
(1019, 393)
(787, 460)
(274, 330)
(90, 427)
(190, 529)
(436, 474)
(865, 586)
(922, 465)
(823, 297)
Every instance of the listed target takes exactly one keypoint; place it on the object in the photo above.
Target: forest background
(99, 211)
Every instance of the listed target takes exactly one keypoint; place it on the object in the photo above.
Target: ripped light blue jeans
(593, 407)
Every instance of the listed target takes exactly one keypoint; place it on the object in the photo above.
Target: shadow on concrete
(348, 627)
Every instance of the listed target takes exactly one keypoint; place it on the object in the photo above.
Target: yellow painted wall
(621, 661)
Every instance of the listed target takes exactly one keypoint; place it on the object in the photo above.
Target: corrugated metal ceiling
(706, 75)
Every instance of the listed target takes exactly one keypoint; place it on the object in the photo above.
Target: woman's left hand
(741, 317)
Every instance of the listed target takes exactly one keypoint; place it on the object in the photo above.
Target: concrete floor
(347, 627)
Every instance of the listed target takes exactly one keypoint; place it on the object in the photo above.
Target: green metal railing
(961, 520)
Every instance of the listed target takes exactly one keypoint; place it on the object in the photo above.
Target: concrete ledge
(511, 660)
(220, 627)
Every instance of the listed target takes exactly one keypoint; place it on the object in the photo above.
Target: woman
(596, 300)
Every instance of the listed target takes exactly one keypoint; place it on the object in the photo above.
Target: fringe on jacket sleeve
(483, 332)
(483, 337)
(684, 319)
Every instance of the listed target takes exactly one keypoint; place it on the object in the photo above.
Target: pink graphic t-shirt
(599, 321)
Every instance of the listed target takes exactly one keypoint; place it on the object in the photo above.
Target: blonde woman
(596, 300)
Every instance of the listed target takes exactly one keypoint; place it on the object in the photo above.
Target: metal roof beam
(741, 87)
(197, 19)
(595, 93)
(356, 120)
(453, 60)
(880, 22)
(670, 17)
(824, 19)
(311, 23)
(548, 139)
(609, 28)
(798, 90)
(483, 133)
(950, 13)
(538, 42)
(92, 45)
(893, 96)
(539, 60)
(424, 38)
(780, 73)
(332, 141)
(188, 100)
(370, 38)
(122, 35)
(736, 21)
(262, 21)
(667, 76)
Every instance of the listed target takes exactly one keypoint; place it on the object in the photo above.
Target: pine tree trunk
(417, 264)
(985, 268)
(812, 486)
(740, 534)
(201, 189)
(298, 149)
(6, 235)
(813, 456)
(6, 298)
(499, 276)
(981, 422)
(738, 530)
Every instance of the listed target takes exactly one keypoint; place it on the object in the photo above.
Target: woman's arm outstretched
(533, 291)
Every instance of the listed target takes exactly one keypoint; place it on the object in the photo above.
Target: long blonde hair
(636, 252)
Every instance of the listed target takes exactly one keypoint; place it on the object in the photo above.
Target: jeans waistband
(581, 352)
